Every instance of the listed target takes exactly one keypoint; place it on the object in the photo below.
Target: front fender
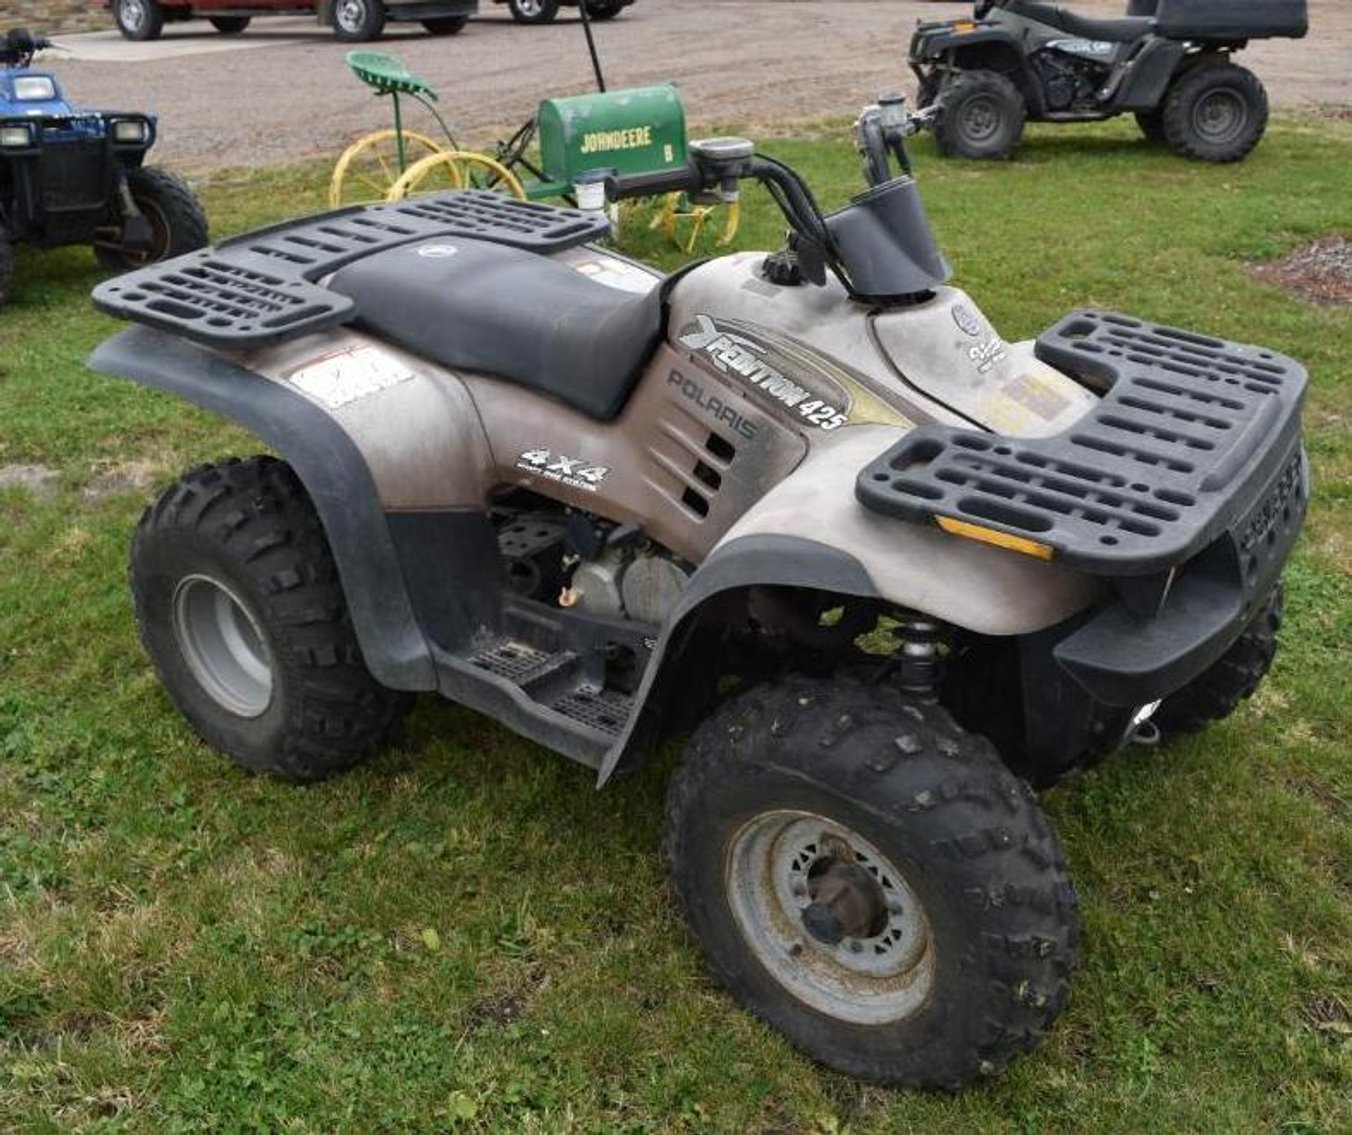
(329, 464)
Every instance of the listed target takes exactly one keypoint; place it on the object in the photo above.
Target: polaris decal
(969, 323)
(748, 360)
(1090, 48)
(575, 472)
(712, 405)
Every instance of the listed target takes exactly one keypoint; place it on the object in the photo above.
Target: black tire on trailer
(358, 21)
(1217, 691)
(239, 606)
(139, 19)
(445, 25)
(1215, 112)
(869, 879)
(533, 11)
(6, 267)
(230, 25)
(178, 223)
(1151, 124)
(983, 116)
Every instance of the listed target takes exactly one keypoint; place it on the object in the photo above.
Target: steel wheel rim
(530, 8)
(981, 119)
(877, 979)
(350, 14)
(1220, 116)
(133, 13)
(223, 645)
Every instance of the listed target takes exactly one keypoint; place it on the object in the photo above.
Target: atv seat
(475, 305)
(1125, 29)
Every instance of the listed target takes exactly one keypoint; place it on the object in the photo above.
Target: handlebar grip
(685, 179)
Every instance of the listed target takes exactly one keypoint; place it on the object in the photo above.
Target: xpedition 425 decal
(759, 366)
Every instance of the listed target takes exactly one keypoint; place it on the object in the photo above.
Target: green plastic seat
(387, 74)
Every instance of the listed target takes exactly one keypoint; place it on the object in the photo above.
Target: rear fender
(382, 521)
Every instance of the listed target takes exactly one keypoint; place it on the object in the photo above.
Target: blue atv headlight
(130, 130)
(16, 137)
(34, 88)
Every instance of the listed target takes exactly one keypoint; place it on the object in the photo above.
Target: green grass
(466, 935)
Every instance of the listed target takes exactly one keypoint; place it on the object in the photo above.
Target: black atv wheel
(1215, 112)
(533, 11)
(1217, 691)
(445, 25)
(239, 606)
(983, 117)
(870, 880)
(230, 25)
(139, 19)
(177, 221)
(6, 267)
(603, 9)
(1151, 123)
(358, 21)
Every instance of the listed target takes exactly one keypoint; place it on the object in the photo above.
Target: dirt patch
(1320, 272)
(40, 480)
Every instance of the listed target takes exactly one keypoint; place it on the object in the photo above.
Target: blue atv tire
(6, 267)
(177, 220)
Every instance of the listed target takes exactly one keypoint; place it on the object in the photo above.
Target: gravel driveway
(282, 92)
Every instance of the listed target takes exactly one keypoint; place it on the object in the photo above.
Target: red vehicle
(354, 21)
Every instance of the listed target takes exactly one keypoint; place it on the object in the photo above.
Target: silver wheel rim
(133, 14)
(981, 118)
(350, 14)
(223, 645)
(1220, 116)
(529, 8)
(873, 979)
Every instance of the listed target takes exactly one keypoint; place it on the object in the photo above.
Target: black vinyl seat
(1124, 29)
(475, 305)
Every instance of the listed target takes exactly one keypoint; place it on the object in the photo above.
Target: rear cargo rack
(261, 288)
(1189, 432)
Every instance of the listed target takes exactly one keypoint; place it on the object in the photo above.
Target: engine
(1069, 81)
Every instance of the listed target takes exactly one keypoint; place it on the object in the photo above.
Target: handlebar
(20, 45)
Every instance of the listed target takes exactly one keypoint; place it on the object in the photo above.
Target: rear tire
(1217, 691)
(603, 9)
(230, 25)
(239, 606)
(533, 11)
(358, 21)
(870, 880)
(138, 19)
(983, 117)
(1215, 112)
(445, 25)
(177, 220)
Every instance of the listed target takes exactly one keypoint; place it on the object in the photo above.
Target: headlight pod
(130, 131)
(34, 88)
(16, 137)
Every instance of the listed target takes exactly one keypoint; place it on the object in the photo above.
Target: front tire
(533, 11)
(6, 268)
(230, 25)
(1215, 112)
(603, 9)
(240, 609)
(983, 117)
(869, 879)
(358, 21)
(139, 19)
(445, 25)
(178, 223)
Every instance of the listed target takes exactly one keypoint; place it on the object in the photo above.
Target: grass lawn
(466, 935)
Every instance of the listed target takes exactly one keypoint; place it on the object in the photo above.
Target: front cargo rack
(1191, 438)
(262, 287)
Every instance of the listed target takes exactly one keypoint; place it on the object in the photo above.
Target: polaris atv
(73, 176)
(888, 566)
(1168, 62)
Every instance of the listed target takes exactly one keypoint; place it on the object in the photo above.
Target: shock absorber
(920, 661)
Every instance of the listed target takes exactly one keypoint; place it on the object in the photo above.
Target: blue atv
(72, 176)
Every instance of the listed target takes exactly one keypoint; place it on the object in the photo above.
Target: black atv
(71, 176)
(1166, 61)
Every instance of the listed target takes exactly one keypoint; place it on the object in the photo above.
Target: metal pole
(591, 48)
